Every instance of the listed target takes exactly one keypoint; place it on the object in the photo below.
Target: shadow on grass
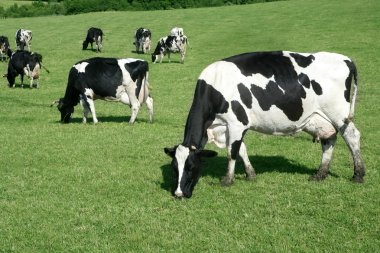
(104, 119)
(217, 167)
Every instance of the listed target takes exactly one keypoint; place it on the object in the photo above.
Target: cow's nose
(178, 194)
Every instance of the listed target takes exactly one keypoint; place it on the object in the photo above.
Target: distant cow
(5, 49)
(142, 40)
(94, 35)
(24, 63)
(177, 31)
(170, 44)
(23, 38)
(278, 93)
(110, 79)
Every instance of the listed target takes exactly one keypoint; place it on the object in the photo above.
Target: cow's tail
(354, 75)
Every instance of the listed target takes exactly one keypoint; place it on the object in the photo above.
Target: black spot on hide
(245, 95)
(316, 87)
(304, 80)
(239, 111)
(303, 61)
(284, 90)
(353, 74)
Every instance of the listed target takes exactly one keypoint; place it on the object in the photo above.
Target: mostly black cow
(142, 40)
(110, 79)
(23, 39)
(170, 44)
(94, 35)
(279, 93)
(5, 49)
(24, 63)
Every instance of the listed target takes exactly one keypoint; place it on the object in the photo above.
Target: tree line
(70, 7)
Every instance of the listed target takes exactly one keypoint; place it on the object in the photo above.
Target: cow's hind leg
(351, 135)
(327, 152)
(149, 104)
(86, 110)
(249, 170)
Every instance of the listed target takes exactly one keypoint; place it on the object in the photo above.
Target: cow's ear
(170, 151)
(208, 153)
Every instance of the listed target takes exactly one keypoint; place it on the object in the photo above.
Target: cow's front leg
(86, 110)
(149, 104)
(249, 170)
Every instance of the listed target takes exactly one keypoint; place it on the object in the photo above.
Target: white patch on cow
(89, 92)
(81, 67)
(181, 154)
(127, 80)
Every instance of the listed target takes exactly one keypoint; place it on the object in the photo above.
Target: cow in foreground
(168, 45)
(94, 35)
(110, 79)
(5, 49)
(23, 39)
(142, 40)
(278, 93)
(24, 63)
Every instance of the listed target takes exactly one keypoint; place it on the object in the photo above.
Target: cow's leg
(327, 152)
(169, 56)
(149, 104)
(22, 81)
(86, 110)
(234, 142)
(249, 170)
(351, 135)
(135, 103)
(89, 101)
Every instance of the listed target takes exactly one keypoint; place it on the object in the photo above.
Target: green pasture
(106, 187)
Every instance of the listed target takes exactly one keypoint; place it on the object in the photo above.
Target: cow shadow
(108, 119)
(217, 167)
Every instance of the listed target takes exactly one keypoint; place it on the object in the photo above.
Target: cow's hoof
(226, 181)
(250, 177)
(357, 179)
(317, 177)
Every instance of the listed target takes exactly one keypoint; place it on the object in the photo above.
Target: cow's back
(281, 91)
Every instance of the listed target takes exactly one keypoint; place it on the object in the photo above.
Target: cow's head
(66, 110)
(186, 164)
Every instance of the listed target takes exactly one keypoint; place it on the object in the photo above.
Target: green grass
(106, 188)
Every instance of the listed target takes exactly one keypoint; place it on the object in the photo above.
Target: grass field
(106, 187)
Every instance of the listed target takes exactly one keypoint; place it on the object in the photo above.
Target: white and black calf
(110, 79)
(23, 39)
(5, 49)
(168, 45)
(24, 63)
(279, 93)
(94, 35)
(143, 38)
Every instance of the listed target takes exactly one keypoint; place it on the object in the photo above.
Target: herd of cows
(277, 93)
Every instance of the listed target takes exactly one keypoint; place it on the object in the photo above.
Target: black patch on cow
(137, 71)
(235, 149)
(316, 87)
(302, 61)
(245, 95)
(285, 92)
(207, 102)
(239, 111)
(352, 74)
(304, 80)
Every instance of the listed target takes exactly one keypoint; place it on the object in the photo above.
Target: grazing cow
(94, 35)
(142, 40)
(110, 79)
(24, 63)
(23, 38)
(177, 31)
(5, 49)
(279, 93)
(170, 44)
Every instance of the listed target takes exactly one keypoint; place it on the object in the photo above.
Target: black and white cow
(5, 49)
(24, 63)
(23, 38)
(143, 38)
(94, 35)
(170, 44)
(110, 79)
(279, 93)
